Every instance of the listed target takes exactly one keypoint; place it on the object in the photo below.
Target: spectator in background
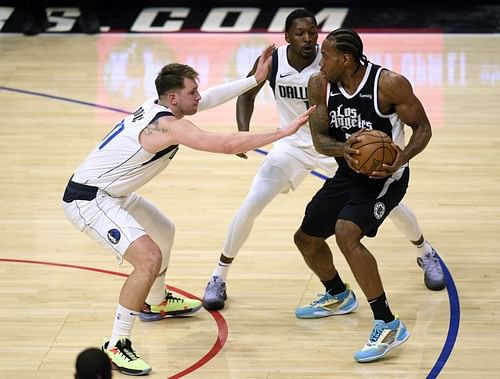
(93, 363)
(37, 21)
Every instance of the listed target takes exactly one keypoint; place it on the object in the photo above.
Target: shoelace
(376, 332)
(127, 351)
(322, 298)
(431, 262)
(171, 297)
(215, 287)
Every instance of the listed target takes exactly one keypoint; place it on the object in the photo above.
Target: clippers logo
(114, 236)
(379, 210)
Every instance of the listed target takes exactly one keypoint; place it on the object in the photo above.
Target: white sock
(423, 248)
(221, 270)
(122, 327)
(156, 294)
(406, 222)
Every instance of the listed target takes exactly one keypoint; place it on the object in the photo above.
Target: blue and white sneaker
(383, 338)
(329, 305)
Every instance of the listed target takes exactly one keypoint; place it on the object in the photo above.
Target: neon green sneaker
(125, 359)
(172, 306)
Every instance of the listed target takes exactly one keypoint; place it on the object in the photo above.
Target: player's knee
(148, 261)
(347, 236)
(304, 242)
(153, 262)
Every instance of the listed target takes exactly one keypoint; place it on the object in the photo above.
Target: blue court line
(61, 98)
(450, 284)
(453, 326)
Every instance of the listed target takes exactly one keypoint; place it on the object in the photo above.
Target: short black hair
(93, 363)
(348, 41)
(298, 13)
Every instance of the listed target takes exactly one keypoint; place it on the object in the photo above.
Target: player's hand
(242, 155)
(388, 170)
(350, 153)
(299, 121)
(264, 64)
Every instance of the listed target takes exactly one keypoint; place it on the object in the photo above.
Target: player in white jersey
(293, 158)
(100, 199)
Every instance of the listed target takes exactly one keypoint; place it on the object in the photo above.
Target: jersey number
(112, 134)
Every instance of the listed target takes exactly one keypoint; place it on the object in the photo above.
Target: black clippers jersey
(351, 113)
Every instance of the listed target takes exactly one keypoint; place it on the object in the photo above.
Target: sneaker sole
(434, 287)
(160, 316)
(129, 372)
(321, 314)
(213, 306)
(394, 345)
(216, 305)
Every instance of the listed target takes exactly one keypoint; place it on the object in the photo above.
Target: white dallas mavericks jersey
(119, 165)
(290, 91)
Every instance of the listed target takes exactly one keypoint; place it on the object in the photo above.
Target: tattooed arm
(319, 120)
(168, 131)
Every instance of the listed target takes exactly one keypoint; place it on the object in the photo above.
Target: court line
(222, 327)
(453, 325)
(453, 297)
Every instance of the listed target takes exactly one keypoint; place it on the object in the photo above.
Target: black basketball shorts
(366, 202)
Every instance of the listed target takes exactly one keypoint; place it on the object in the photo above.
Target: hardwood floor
(59, 95)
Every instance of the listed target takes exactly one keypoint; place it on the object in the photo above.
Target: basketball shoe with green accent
(125, 359)
(172, 306)
(384, 337)
(329, 305)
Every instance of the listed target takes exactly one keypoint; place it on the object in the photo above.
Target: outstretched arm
(219, 94)
(234, 143)
(167, 131)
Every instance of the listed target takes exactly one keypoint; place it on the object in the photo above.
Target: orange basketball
(374, 149)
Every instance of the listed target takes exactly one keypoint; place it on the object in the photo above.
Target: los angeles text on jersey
(347, 118)
(176, 19)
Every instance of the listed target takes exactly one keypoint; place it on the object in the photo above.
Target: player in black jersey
(352, 94)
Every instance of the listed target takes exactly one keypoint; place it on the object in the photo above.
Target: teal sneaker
(383, 338)
(329, 305)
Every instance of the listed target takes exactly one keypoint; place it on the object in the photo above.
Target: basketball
(374, 149)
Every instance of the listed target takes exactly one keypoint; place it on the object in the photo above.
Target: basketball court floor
(59, 95)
